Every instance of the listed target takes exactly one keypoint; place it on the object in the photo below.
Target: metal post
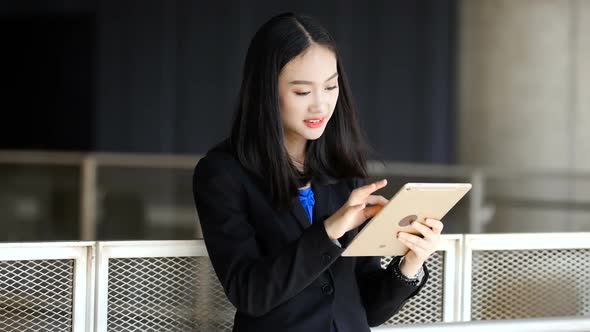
(476, 202)
(88, 177)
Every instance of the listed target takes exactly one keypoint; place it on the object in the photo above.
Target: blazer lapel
(325, 206)
(323, 202)
(322, 209)
(299, 212)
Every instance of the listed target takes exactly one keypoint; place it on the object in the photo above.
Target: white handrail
(560, 324)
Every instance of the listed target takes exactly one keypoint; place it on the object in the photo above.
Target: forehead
(315, 64)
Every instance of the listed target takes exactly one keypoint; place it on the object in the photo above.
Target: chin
(314, 137)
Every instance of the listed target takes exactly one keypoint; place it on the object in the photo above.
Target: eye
(332, 87)
(302, 93)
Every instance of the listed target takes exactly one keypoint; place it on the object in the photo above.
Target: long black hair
(257, 131)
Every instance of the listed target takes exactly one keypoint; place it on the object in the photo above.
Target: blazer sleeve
(383, 293)
(254, 283)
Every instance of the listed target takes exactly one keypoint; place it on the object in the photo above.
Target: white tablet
(414, 201)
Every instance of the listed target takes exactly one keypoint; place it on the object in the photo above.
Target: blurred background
(107, 106)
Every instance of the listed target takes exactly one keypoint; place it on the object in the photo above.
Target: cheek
(333, 100)
(285, 99)
(290, 107)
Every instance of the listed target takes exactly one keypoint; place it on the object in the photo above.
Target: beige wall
(524, 102)
(582, 113)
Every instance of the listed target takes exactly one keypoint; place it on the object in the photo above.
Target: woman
(284, 194)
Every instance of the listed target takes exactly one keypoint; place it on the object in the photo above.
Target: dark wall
(166, 73)
(48, 82)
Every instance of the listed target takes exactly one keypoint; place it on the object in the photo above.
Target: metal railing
(89, 165)
(511, 276)
(482, 202)
(171, 286)
(155, 285)
(46, 286)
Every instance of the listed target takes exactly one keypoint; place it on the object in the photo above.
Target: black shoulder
(218, 159)
(355, 182)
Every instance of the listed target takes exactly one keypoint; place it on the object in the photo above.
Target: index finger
(368, 189)
(436, 225)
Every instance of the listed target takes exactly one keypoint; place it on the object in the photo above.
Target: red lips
(314, 122)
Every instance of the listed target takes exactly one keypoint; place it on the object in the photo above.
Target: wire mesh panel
(510, 284)
(36, 295)
(214, 311)
(166, 294)
(427, 305)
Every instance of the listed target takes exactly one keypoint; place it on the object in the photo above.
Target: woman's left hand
(421, 247)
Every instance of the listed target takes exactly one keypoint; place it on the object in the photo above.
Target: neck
(296, 151)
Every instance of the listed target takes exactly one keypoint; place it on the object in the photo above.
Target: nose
(315, 108)
(317, 103)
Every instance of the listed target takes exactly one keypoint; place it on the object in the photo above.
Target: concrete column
(524, 89)
(581, 138)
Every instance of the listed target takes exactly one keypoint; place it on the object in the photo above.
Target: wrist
(408, 268)
(414, 280)
(331, 231)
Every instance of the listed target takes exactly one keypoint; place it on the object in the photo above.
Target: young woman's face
(308, 91)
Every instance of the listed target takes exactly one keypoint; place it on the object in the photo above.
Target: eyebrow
(309, 82)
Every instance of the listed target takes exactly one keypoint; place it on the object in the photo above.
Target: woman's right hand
(355, 211)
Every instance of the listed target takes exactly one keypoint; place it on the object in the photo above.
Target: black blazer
(280, 272)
